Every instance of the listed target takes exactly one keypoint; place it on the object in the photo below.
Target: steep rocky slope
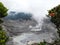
(16, 23)
(28, 29)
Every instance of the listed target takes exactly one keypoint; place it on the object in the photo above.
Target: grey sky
(37, 7)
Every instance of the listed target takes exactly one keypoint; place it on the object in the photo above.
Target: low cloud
(37, 7)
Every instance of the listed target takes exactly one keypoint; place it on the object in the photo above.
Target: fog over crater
(27, 21)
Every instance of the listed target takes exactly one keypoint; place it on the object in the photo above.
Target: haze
(37, 7)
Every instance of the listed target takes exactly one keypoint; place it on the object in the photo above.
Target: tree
(3, 13)
(3, 10)
(54, 15)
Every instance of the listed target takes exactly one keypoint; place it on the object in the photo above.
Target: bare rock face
(48, 33)
(15, 27)
(29, 30)
(32, 43)
(18, 22)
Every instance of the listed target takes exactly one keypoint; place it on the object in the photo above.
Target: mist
(30, 30)
(38, 8)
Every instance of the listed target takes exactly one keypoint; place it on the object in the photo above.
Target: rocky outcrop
(15, 27)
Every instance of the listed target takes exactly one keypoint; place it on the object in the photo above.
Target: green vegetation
(42, 43)
(3, 13)
(3, 10)
(3, 37)
(54, 14)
